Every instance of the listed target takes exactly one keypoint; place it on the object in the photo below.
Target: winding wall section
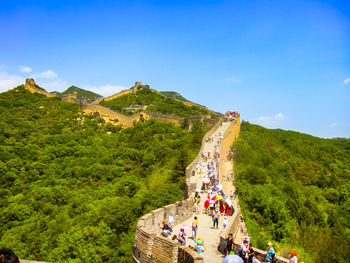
(149, 246)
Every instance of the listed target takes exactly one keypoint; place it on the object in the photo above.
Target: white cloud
(49, 74)
(106, 90)
(268, 120)
(8, 81)
(24, 69)
(347, 81)
(334, 124)
(233, 80)
(55, 85)
(49, 80)
(279, 116)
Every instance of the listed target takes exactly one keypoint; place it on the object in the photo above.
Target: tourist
(8, 256)
(242, 226)
(244, 250)
(165, 229)
(182, 237)
(270, 253)
(293, 256)
(171, 221)
(211, 205)
(228, 176)
(175, 239)
(198, 205)
(229, 244)
(251, 253)
(199, 247)
(227, 209)
(215, 218)
(231, 194)
(194, 227)
(225, 222)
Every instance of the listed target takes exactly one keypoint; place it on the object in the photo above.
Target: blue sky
(281, 64)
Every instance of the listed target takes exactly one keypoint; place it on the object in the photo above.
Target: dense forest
(73, 187)
(156, 103)
(294, 190)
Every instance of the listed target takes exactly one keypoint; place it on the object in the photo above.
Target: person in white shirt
(225, 222)
(171, 220)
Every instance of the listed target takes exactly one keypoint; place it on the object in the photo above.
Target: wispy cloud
(24, 69)
(268, 120)
(50, 81)
(334, 124)
(8, 81)
(49, 74)
(233, 80)
(54, 85)
(105, 90)
(347, 81)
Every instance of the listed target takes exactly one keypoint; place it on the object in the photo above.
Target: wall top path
(147, 225)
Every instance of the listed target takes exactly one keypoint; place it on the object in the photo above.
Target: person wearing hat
(293, 256)
(199, 247)
(270, 253)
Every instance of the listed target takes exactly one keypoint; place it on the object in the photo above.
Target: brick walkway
(211, 236)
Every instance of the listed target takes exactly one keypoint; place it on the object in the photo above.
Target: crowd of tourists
(230, 116)
(246, 253)
(210, 200)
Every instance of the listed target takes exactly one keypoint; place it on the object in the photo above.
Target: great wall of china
(149, 245)
(116, 118)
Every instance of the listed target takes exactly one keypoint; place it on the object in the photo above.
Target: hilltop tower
(33, 87)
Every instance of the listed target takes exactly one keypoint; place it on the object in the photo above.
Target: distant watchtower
(137, 84)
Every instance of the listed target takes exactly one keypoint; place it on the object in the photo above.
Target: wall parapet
(127, 121)
(149, 245)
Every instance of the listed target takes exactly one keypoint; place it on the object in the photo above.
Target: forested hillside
(294, 189)
(174, 95)
(72, 190)
(82, 94)
(156, 103)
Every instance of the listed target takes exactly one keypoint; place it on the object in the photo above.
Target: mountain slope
(174, 95)
(82, 94)
(155, 102)
(294, 189)
(74, 187)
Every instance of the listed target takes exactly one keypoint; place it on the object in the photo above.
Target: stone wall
(149, 245)
(123, 92)
(188, 255)
(231, 134)
(116, 118)
(33, 87)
